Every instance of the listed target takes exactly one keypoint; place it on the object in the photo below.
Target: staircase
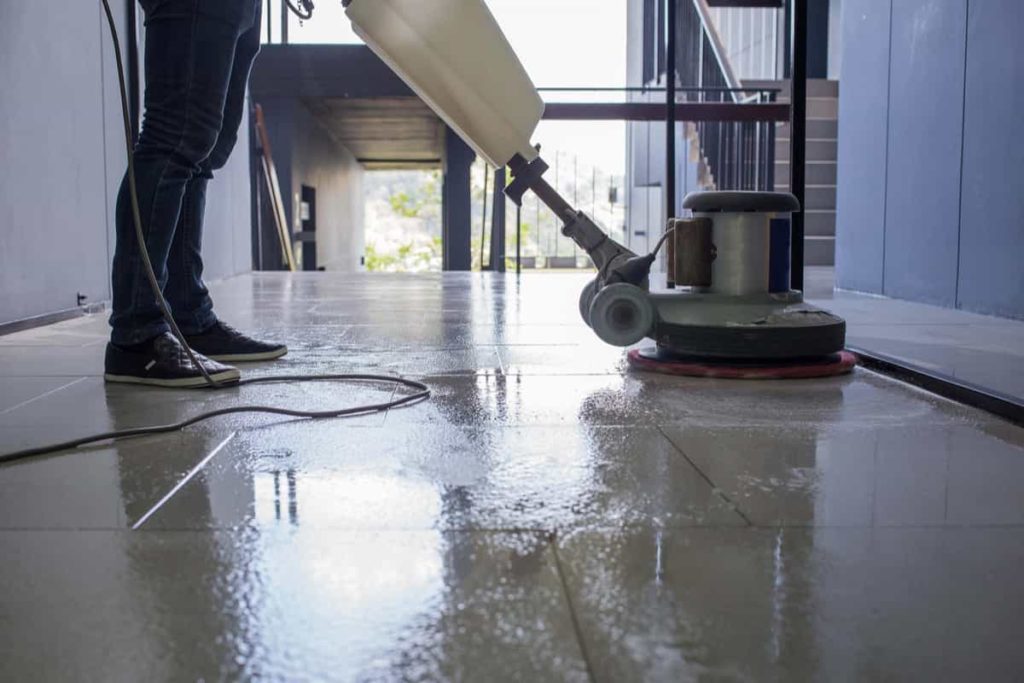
(820, 169)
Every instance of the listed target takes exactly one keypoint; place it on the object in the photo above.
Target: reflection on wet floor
(548, 515)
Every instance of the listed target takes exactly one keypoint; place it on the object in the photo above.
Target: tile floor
(983, 350)
(548, 515)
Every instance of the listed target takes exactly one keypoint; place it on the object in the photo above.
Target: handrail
(679, 88)
(712, 112)
(715, 41)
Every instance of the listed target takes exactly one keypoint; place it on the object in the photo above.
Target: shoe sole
(226, 377)
(249, 357)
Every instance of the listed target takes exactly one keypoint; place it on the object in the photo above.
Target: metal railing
(738, 155)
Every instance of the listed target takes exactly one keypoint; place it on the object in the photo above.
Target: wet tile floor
(982, 350)
(548, 515)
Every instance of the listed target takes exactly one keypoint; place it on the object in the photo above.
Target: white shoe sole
(250, 357)
(228, 376)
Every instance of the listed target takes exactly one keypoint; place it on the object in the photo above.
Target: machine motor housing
(731, 270)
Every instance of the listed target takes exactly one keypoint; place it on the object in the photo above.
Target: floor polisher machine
(730, 312)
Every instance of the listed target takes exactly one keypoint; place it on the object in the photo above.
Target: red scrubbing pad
(649, 360)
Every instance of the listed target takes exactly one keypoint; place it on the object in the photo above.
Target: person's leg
(186, 292)
(189, 61)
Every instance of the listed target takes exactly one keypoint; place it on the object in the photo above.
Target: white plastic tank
(453, 54)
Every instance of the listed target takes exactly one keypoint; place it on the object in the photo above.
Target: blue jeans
(197, 62)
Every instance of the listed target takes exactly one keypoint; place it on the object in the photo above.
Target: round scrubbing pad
(655, 360)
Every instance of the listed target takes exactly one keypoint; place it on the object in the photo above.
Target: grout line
(186, 479)
(106, 170)
(885, 173)
(44, 395)
(963, 136)
(391, 397)
(553, 540)
(611, 529)
(715, 489)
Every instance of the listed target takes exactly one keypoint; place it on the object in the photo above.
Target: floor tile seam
(519, 373)
(545, 533)
(541, 530)
(569, 424)
(334, 528)
(840, 426)
(44, 395)
(571, 607)
(714, 488)
(538, 532)
(512, 371)
(937, 398)
(908, 527)
(573, 424)
(569, 421)
(322, 352)
(285, 422)
(391, 397)
(184, 481)
(496, 372)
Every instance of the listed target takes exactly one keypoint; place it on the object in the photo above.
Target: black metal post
(270, 22)
(284, 22)
(787, 40)
(670, 110)
(456, 204)
(257, 194)
(498, 222)
(483, 220)
(798, 134)
(519, 239)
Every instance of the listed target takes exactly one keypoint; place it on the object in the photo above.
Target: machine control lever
(614, 262)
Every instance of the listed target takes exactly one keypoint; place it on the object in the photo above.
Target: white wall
(835, 39)
(63, 158)
(306, 154)
(753, 40)
(322, 163)
(227, 241)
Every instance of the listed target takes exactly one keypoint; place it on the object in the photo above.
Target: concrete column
(456, 203)
(498, 223)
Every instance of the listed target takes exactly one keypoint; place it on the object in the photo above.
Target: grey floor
(548, 515)
(982, 350)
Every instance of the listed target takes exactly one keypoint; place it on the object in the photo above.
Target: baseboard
(48, 318)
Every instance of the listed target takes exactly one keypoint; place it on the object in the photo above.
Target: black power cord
(420, 391)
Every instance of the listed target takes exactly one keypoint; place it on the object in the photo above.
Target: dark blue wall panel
(926, 85)
(992, 208)
(863, 105)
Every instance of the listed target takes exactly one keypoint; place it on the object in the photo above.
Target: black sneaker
(224, 343)
(162, 362)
